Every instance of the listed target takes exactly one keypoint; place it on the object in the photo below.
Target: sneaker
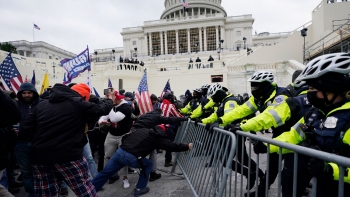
(113, 179)
(131, 171)
(168, 164)
(64, 192)
(154, 176)
(126, 184)
(139, 192)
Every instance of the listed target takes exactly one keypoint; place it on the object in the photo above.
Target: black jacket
(57, 125)
(9, 115)
(26, 108)
(146, 137)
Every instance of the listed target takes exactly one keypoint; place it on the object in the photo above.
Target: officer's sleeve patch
(232, 105)
(331, 122)
(279, 99)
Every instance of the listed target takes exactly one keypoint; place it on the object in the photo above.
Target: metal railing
(328, 41)
(211, 170)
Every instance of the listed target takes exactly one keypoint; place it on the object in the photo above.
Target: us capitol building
(170, 46)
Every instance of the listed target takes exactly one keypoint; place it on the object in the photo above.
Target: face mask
(256, 93)
(319, 103)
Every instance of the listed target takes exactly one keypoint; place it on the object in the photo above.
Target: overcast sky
(73, 24)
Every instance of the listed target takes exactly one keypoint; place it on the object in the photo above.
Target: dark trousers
(93, 141)
(246, 158)
(171, 136)
(101, 150)
(287, 175)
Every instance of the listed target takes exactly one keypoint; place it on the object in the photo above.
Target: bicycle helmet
(198, 90)
(213, 89)
(205, 86)
(261, 76)
(335, 62)
(298, 84)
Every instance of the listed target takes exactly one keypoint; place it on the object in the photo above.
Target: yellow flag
(45, 83)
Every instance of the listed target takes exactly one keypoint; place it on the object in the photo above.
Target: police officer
(266, 95)
(282, 116)
(206, 107)
(194, 103)
(325, 127)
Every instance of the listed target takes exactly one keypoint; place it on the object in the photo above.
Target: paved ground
(170, 186)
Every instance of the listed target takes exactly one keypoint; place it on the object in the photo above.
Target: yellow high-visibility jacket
(274, 116)
(227, 107)
(199, 110)
(250, 107)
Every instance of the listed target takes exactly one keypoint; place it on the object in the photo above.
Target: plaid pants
(48, 178)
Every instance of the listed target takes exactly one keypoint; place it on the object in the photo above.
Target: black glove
(320, 169)
(196, 121)
(210, 127)
(232, 128)
(259, 147)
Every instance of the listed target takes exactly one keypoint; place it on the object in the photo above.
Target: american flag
(96, 93)
(143, 97)
(109, 83)
(166, 88)
(10, 77)
(185, 4)
(26, 80)
(36, 27)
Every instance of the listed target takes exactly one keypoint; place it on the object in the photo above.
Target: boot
(252, 180)
(261, 192)
(154, 176)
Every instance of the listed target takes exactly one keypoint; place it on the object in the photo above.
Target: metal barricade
(208, 165)
(299, 152)
(211, 170)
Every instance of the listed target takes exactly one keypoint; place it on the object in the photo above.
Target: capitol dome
(174, 8)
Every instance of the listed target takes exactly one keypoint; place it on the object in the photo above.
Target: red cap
(118, 96)
(162, 127)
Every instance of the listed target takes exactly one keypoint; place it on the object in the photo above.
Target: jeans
(4, 179)
(91, 162)
(153, 158)
(22, 152)
(120, 159)
(3, 190)
(171, 136)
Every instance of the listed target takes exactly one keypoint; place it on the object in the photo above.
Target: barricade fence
(223, 164)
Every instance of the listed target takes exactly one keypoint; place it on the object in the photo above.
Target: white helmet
(197, 90)
(261, 76)
(213, 89)
(299, 84)
(335, 62)
(205, 86)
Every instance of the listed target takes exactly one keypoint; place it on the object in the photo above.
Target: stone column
(205, 11)
(177, 41)
(161, 43)
(205, 38)
(145, 44)
(188, 41)
(166, 41)
(223, 36)
(150, 44)
(200, 39)
(217, 36)
(25, 53)
(192, 11)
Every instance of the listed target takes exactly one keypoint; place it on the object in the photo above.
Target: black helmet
(130, 95)
(169, 96)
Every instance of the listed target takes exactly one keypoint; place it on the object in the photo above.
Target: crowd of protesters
(53, 138)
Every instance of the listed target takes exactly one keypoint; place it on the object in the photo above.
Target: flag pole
(33, 34)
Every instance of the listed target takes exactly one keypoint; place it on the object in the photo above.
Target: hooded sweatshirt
(26, 108)
(57, 125)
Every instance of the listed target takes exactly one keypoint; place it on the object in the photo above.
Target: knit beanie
(83, 90)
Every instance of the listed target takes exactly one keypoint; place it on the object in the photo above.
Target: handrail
(328, 35)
